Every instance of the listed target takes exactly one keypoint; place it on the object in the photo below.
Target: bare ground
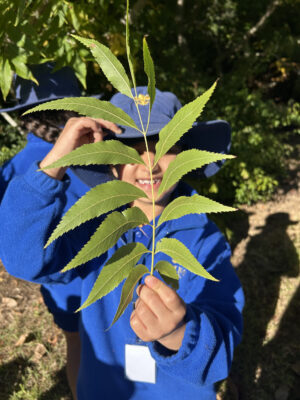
(266, 244)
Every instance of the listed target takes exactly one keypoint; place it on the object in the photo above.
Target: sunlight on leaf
(149, 69)
(99, 200)
(185, 162)
(107, 235)
(182, 255)
(115, 270)
(195, 204)
(110, 65)
(90, 107)
(181, 123)
(106, 152)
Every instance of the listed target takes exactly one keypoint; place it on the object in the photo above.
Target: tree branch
(263, 19)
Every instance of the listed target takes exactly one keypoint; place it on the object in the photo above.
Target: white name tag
(139, 365)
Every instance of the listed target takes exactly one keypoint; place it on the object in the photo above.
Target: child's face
(139, 175)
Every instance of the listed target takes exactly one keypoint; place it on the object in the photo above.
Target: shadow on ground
(59, 389)
(12, 377)
(267, 370)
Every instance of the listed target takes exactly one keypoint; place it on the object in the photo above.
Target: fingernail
(151, 281)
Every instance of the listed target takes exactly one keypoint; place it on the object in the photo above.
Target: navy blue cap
(164, 108)
(52, 86)
(214, 136)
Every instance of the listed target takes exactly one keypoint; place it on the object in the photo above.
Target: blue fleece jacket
(61, 300)
(214, 321)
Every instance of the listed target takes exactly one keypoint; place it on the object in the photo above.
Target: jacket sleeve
(35, 149)
(31, 208)
(6, 174)
(213, 319)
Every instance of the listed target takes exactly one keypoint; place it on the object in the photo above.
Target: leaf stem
(153, 208)
(144, 132)
(152, 186)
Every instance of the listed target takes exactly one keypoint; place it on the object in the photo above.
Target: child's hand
(77, 131)
(159, 314)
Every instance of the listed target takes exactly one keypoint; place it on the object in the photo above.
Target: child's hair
(47, 125)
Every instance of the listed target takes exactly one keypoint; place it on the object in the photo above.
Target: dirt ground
(265, 242)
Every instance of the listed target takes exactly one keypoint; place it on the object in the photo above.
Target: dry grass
(32, 348)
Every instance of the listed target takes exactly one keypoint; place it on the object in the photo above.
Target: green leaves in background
(185, 162)
(195, 204)
(168, 273)
(181, 123)
(6, 76)
(107, 235)
(127, 291)
(110, 65)
(101, 153)
(182, 255)
(90, 107)
(21, 68)
(99, 200)
(149, 69)
(115, 270)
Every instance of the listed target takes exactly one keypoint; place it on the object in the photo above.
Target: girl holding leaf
(179, 338)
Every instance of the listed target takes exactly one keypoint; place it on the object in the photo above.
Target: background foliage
(252, 46)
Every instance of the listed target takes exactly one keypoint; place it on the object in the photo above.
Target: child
(44, 128)
(191, 333)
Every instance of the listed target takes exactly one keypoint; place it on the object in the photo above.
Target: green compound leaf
(110, 65)
(90, 107)
(128, 51)
(185, 162)
(181, 123)
(149, 69)
(106, 152)
(195, 204)
(108, 233)
(115, 270)
(99, 200)
(127, 291)
(182, 255)
(168, 273)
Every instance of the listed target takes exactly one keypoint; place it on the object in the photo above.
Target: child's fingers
(85, 125)
(138, 327)
(154, 302)
(144, 322)
(169, 297)
(108, 125)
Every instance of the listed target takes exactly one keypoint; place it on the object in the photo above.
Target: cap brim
(131, 133)
(213, 136)
(21, 106)
(92, 175)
